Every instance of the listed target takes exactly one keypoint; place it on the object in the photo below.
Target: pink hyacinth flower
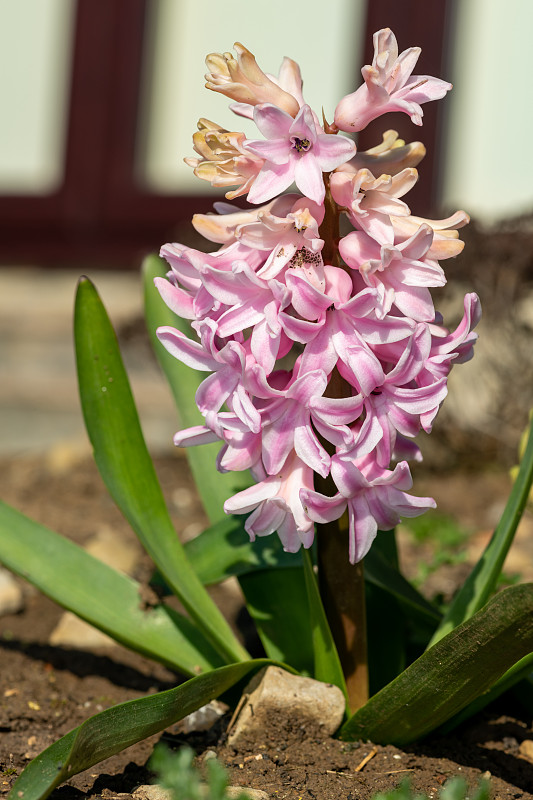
(389, 86)
(276, 506)
(376, 498)
(294, 150)
(400, 273)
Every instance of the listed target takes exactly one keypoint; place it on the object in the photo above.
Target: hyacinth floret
(325, 354)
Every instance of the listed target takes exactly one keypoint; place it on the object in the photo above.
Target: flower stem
(329, 229)
(342, 588)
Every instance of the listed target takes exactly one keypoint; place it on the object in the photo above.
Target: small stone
(191, 531)
(205, 717)
(182, 498)
(108, 546)
(71, 631)
(234, 792)
(290, 706)
(11, 597)
(150, 791)
(154, 792)
(526, 749)
(63, 456)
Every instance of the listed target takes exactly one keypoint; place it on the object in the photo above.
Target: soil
(46, 690)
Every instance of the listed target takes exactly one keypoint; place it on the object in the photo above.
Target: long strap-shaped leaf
(519, 671)
(119, 727)
(453, 673)
(327, 663)
(225, 549)
(102, 596)
(183, 382)
(126, 467)
(482, 580)
(275, 599)
(379, 572)
(273, 584)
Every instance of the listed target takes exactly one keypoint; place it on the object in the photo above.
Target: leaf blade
(274, 601)
(49, 560)
(127, 470)
(482, 580)
(224, 549)
(327, 665)
(450, 675)
(118, 727)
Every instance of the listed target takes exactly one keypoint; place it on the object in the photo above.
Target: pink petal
(272, 122)
(179, 301)
(186, 350)
(321, 508)
(271, 181)
(198, 434)
(333, 150)
(308, 176)
(275, 151)
(362, 529)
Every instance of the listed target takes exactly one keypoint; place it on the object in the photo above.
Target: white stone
(11, 597)
(205, 717)
(290, 705)
(234, 792)
(154, 792)
(71, 631)
(108, 546)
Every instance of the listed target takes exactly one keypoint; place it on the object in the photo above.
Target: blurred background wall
(100, 99)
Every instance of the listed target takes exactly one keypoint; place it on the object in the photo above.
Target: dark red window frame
(101, 217)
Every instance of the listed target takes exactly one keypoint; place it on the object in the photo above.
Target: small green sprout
(175, 772)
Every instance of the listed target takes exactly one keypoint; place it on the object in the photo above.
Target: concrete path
(39, 404)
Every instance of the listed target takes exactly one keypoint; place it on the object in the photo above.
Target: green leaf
(213, 487)
(453, 673)
(225, 549)
(275, 599)
(327, 665)
(127, 470)
(122, 725)
(379, 572)
(385, 618)
(482, 581)
(386, 637)
(101, 595)
(518, 672)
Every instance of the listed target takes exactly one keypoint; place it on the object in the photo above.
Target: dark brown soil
(46, 690)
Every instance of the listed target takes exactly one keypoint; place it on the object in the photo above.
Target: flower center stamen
(304, 256)
(301, 145)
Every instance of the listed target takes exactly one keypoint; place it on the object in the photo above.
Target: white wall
(326, 39)
(488, 167)
(488, 159)
(35, 51)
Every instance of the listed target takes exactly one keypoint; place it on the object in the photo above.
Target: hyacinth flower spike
(326, 356)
